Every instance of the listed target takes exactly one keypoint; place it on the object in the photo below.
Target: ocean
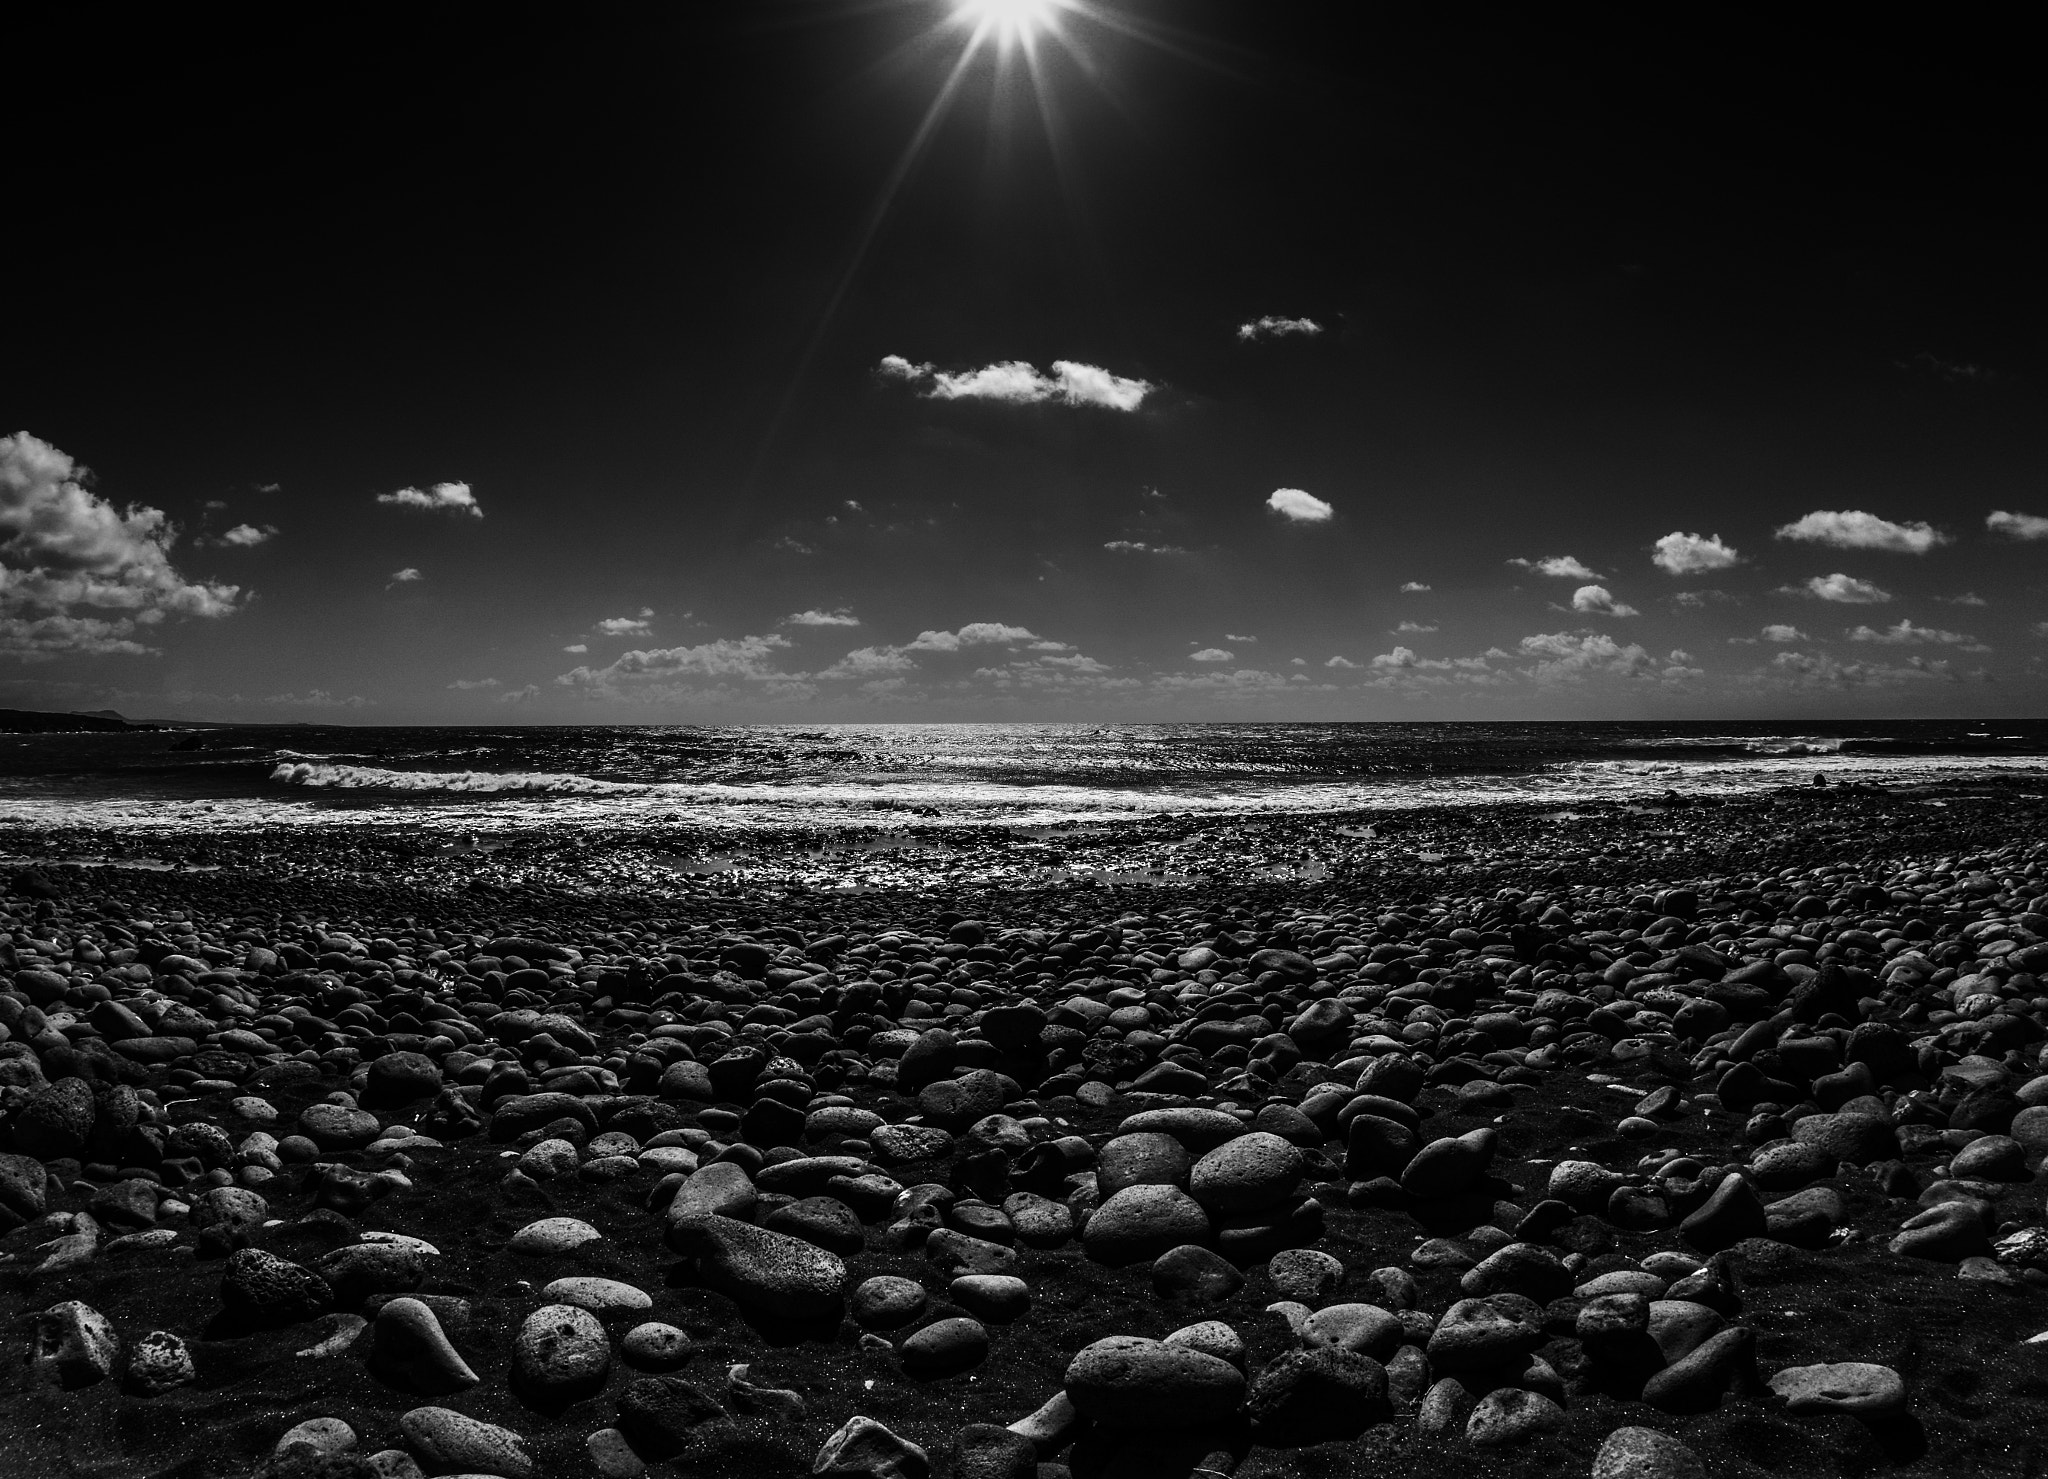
(887, 776)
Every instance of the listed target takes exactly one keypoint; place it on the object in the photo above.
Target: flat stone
(1645, 1453)
(600, 1296)
(1844, 1386)
(655, 1346)
(552, 1235)
(1307, 1274)
(1511, 1415)
(1129, 1381)
(467, 1445)
(769, 1272)
(945, 1348)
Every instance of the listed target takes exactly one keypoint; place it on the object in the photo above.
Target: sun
(1009, 22)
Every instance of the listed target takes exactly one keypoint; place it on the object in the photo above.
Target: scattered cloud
(1232, 637)
(1953, 371)
(1414, 587)
(1298, 507)
(749, 659)
(1855, 529)
(246, 536)
(1691, 554)
(627, 626)
(1415, 628)
(870, 662)
(1212, 654)
(578, 647)
(1967, 598)
(1341, 662)
(454, 498)
(1905, 633)
(1567, 656)
(1565, 567)
(974, 634)
(471, 685)
(842, 617)
(789, 544)
(1694, 600)
(1139, 547)
(405, 577)
(1598, 600)
(1812, 670)
(1779, 631)
(1267, 326)
(1017, 382)
(63, 546)
(1845, 590)
(2016, 526)
(314, 698)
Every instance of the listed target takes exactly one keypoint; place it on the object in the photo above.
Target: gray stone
(1307, 1274)
(1474, 1335)
(466, 1445)
(411, 1350)
(338, 1127)
(865, 1449)
(1195, 1273)
(721, 1189)
(599, 1296)
(561, 1353)
(1859, 1387)
(1247, 1174)
(655, 1346)
(1142, 1222)
(1645, 1453)
(1143, 1159)
(158, 1362)
(1454, 1164)
(769, 1272)
(1316, 1394)
(887, 1301)
(319, 1435)
(945, 1348)
(1511, 1415)
(999, 1297)
(755, 1399)
(267, 1289)
(1211, 1338)
(1129, 1381)
(612, 1456)
(75, 1345)
(552, 1235)
(658, 1413)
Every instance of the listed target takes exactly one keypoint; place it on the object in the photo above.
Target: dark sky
(713, 398)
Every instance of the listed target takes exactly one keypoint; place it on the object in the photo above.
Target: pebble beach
(1697, 1137)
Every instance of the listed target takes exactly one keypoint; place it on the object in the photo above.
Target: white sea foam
(479, 782)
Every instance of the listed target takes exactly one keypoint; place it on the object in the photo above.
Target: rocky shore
(1630, 1141)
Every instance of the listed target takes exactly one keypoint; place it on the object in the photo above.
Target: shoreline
(1662, 995)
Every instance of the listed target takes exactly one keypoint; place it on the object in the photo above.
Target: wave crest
(466, 782)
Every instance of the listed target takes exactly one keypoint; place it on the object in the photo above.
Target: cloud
(246, 536)
(1819, 670)
(1598, 600)
(578, 647)
(1212, 654)
(1855, 529)
(1699, 598)
(1414, 587)
(843, 617)
(1017, 382)
(1230, 637)
(1344, 662)
(1139, 547)
(470, 685)
(1298, 507)
(1905, 633)
(404, 577)
(1779, 631)
(870, 662)
(974, 634)
(62, 546)
(1565, 567)
(1843, 589)
(1268, 326)
(1690, 554)
(744, 658)
(1564, 656)
(315, 698)
(454, 498)
(2016, 526)
(625, 626)
(1967, 598)
(1415, 628)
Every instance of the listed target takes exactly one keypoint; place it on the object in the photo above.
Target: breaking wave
(464, 782)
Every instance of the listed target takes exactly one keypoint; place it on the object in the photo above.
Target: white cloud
(1905, 633)
(1855, 529)
(406, 576)
(1298, 507)
(870, 662)
(1566, 567)
(577, 647)
(625, 626)
(974, 634)
(744, 658)
(1598, 600)
(2016, 526)
(1819, 670)
(1689, 554)
(1139, 547)
(314, 698)
(1571, 655)
(1212, 654)
(1967, 598)
(1413, 587)
(1779, 631)
(1018, 382)
(470, 685)
(454, 498)
(843, 617)
(1845, 590)
(1694, 600)
(1340, 662)
(244, 536)
(1230, 637)
(1267, 326)
(1415, 628)
(62, 546)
